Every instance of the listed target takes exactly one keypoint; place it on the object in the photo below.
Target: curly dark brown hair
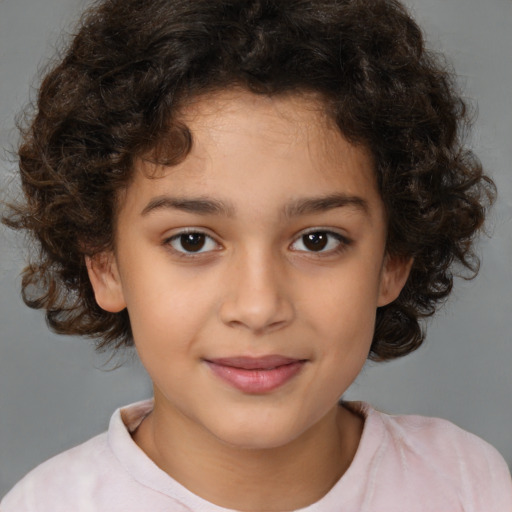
(115, 93)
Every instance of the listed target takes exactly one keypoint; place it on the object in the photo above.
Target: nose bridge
(256, 297)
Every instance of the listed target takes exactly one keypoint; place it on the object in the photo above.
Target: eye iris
(192, 242)
(315, 241)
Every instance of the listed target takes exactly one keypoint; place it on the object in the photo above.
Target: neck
(254, 480)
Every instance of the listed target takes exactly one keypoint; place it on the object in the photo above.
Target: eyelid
(344, 241)
(166, 242)
(322, 229)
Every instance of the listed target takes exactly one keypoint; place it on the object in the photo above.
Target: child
(259, 195)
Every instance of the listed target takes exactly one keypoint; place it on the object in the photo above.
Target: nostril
(258, 318)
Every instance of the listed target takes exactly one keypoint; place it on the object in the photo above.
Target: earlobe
(105, 281)
(395, 273)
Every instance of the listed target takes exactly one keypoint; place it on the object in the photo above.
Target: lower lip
(256, 381)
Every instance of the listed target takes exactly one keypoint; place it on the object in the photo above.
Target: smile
(256, 375)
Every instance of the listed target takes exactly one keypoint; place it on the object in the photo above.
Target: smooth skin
(267, 239)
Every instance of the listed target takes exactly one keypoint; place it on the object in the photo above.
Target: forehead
(287, 123)
(262, 150)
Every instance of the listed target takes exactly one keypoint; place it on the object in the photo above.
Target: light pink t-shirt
(403, 464)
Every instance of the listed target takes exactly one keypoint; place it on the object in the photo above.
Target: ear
(395, 272)
(105, 281)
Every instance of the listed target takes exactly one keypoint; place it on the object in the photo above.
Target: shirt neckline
(141, 468)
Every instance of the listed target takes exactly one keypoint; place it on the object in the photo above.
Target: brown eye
(315, 241)
(327, 242)
(192, 242)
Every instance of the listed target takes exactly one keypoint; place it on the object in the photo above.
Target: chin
(256, 435)
(256, 440)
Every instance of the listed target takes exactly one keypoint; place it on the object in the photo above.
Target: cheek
(342, 311)
(347, 301)
(167, 311)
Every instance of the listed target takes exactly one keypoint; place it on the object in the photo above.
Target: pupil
(315, 241)
(192, 242)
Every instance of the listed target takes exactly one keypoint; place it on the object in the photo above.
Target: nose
(256, 297)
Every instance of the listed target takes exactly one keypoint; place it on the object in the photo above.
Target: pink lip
(256, 374)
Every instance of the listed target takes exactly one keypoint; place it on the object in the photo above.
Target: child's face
(267, 241)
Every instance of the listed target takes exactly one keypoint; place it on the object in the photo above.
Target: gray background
(55, 392)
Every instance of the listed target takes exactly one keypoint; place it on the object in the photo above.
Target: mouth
(256, 375)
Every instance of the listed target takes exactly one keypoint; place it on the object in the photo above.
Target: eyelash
(342, 243)
(168, 242)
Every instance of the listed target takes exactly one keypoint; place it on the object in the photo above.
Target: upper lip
(255, 363)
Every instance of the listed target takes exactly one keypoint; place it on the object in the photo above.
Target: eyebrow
(303, 206)
(325, 203)
(200, 206)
